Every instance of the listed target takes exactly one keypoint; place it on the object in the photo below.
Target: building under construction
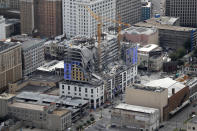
(115, 65)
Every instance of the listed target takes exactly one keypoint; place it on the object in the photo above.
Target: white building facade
(33, 55)
(77, 21)
(116, 83)
(95, 94)
(2, 28)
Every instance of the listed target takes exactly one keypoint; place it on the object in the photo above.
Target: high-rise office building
(27, 16)
(41, 16)
(128, 11)
(185, 9)
(14, 4)
(77, 21)
(146, 10)
(10, 64)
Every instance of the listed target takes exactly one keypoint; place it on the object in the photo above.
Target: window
(68, 87)
(62, 86)
(193, 128)
(75, 88)
(62, 92)
(92, 91)
(86, 90)
(79, 89)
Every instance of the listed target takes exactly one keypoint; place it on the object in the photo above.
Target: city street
(178, 121)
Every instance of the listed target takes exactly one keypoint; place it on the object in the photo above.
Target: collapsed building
(93, 75)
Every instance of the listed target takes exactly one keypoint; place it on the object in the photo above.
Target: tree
(195, 53)
(88, 122)
(188, 45)
(174, 56)
(179, 53)
(92, 119)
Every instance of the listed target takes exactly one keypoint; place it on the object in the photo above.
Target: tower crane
(99, 26)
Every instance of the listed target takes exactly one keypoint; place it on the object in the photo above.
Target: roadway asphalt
(178, 120)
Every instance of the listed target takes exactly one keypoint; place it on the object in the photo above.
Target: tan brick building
(167, 95)
(42, 16)
(10, 64)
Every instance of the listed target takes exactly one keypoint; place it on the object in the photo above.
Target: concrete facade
(10, 64)
(169, 34)
(131, 116)
(128, 11)
(150, 57)
(32, 55)
(148, 98)
(93, 93)
(185, 9)
(141, 35)
(77, 21)
(5, 99)
(47, 117)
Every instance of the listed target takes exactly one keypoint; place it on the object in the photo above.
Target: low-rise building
(167, 95)
(131, 116)
(40, 116)
(5, 99)
(150, 57)
(76, 106)
(141, 35)
(92, 91)
(153, 97)
(178, 95)
(170, 33)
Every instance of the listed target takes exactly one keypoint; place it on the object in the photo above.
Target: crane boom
(99, 32)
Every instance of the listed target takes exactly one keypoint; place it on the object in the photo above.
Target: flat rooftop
(6, 45)
(60, 112)
(38, 97)
(167, 83)
(148, 48)
(27, 106)
(135, 108)
(33, 88)
(51, 66)
(6, 96)
(139, 30)
(148, 88)
(155, 22)
(33, 42)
